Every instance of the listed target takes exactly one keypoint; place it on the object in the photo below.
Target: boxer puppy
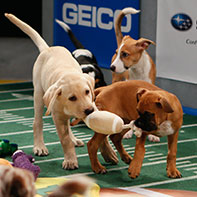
(154, 110)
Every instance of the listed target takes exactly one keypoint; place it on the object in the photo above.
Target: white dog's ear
(140, 92)
(50, 96)
(91, 84)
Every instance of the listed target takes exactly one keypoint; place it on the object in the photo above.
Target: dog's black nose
(113, 68)
(88, 111)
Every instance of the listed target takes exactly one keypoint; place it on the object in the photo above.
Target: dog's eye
(72, 98)
(87, 92)
(124, 54)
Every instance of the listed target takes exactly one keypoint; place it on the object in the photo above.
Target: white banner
(177, 40)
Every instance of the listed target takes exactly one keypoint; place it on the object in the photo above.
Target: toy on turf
(24, 161)
(109, 123)
(6, 148)
(5, 162)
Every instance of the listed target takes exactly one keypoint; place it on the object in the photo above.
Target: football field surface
(16, 120)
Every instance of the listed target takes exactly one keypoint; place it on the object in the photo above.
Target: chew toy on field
(7, 148)
(108, 123)
(24, 161)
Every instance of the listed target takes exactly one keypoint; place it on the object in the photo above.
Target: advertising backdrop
(92, 22)
(177, 40)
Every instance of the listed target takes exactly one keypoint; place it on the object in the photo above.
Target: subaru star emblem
(181, 22)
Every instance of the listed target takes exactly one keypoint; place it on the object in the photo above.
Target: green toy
(6, 148)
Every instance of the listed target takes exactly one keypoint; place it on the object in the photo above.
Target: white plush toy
(109, 123)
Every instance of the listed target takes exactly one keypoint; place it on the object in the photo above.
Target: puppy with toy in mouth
(60, 85)
(155, 112)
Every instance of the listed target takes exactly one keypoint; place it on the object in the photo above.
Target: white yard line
(189, 125)
(130, 148)
(164, 182)
(145, 192)
(17, 109)
(61, 158)
(12, 118)
(187, 165)
(158, 158)
(155, 155)
(18, 90)
(145, 164)
(13, 100)
(191, 169)
(182, 162)
(24, 119)
(22, 132)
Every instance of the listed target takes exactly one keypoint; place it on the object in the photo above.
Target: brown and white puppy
(59, 84)
(16, 182)
(154, 110)
(131, 55)
(131, 61)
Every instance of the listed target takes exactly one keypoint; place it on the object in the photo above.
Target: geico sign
(92, 16)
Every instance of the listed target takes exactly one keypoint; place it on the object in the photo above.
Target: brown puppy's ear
(50, 96)
(144, 43)
(140, 92)
(98, 90)
(91, 84)
(164, 104)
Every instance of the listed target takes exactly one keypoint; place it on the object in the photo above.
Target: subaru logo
(181, 22)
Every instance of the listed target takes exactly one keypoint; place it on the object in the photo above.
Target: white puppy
(59, 84)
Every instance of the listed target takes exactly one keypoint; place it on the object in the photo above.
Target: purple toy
(21, 160)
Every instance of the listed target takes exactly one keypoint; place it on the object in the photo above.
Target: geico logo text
(92, 16)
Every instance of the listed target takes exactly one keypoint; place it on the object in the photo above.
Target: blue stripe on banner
(190, 111)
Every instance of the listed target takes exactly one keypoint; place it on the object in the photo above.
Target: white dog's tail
(37, 39)
(118, 22)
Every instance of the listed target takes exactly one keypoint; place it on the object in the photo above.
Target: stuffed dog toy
(59, 84)
(154, 110)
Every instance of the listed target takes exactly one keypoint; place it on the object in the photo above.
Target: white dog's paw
(153, 138)
(78, 142)
(70, 164)
(128, 135)
(40, 150)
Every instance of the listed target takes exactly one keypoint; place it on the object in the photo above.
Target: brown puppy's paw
(173, 173)
(134, 172)
(70, 164)
(100, 170)
(126, 158)
(110, 157)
